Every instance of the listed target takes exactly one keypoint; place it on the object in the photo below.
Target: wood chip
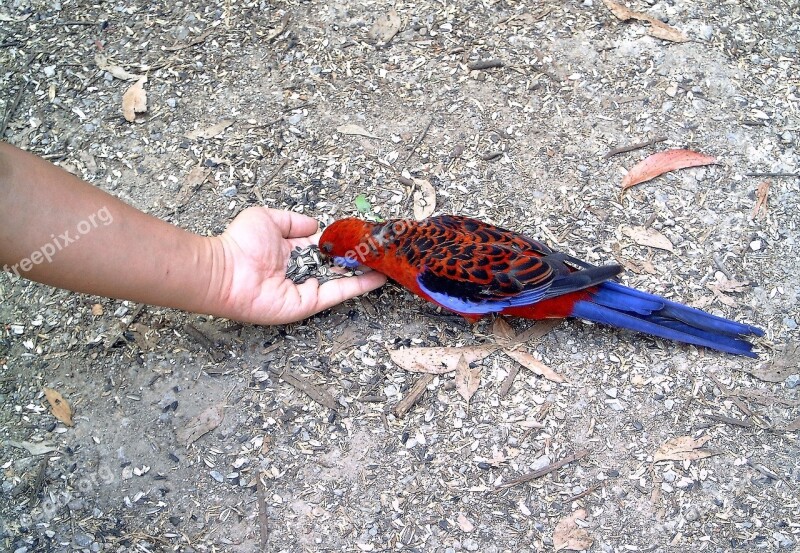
(318, 394)
(682, 449)
(413, 395)
(201, 424)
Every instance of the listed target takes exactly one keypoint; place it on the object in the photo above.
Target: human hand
(254, 252)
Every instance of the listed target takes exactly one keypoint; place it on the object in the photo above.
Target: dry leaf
(34, 448)
(437, 360)
(386, 26)
(199, 425)
(793, 426)
(504, 333)
(59, 406)
(657, 29)
(568, 536)
(345, 340)
(781, 367)
(761, 200)
(648, 237)
(134, 100)
(116, 71)
(210, 132)
(664, 162)
(351, 128)
(97, 309)
(467, 379)
(682, 449)
(530, 362)
(464, 523)
(145, 338)
(424, 199)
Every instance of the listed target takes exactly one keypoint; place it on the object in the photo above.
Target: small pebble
(755, 245)
(216, 475)
(792, 381)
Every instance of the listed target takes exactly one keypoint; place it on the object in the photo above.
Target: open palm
(256, 249)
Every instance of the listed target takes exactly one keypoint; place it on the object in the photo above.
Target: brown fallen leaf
(664, 162)
(467, 379)
(658, 28)
(210, 132)
(345, 340)
(568, 536)
(424, 199)
(781, 367)
(761, 200)
(201, 424)
(59, 406)
(134, 100)
(146, 338)
(437, 360)
(504, 333)
(682, 449)
(648, 237)
(386, 26)
(97, 309)
(530, 362)
(351, 128)
(464, 523)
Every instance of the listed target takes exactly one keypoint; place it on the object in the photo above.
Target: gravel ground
(256, 103)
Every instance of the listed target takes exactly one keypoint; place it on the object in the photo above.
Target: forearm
(59, 230)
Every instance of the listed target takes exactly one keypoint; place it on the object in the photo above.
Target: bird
(477, 269)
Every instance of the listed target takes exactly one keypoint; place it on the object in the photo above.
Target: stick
(11, 108)
(623, 149)
(543, 471)
(263, 522)
(509, 380)
(418, 141)
(405, 404)
(118, 336)
(311, 390)
(205, 342)
(485, 64)
(772, 175)
(730, 420)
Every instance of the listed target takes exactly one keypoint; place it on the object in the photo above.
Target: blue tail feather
(624, 307)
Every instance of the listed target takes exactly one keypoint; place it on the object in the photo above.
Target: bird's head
(347, 241)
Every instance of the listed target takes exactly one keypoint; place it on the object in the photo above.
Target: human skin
(59, 230)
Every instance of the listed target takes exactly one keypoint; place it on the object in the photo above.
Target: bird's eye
(327, 247)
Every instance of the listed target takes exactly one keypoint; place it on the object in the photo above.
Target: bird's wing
(477, 278)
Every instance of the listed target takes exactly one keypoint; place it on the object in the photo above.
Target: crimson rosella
(475, 269)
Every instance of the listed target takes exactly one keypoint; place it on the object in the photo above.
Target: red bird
(474, 269)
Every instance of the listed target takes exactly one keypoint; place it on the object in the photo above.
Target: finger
(316, 298)
(293, 225)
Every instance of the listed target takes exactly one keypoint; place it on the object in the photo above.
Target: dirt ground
(253, 103)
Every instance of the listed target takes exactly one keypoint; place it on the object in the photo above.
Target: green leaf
(362, 204)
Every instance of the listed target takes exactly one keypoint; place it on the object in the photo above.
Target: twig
(543, 471)
(12, 107)
(623, 149)
(77, 22)
(204, 341)
(263, 521)
(509, 380)
(405, 404)
(721, 266)
(418, 141)
(485, 64)
(194, 42)
(119, 335)
(729, 420)
(38, 483)
(313, 391)
(772, 175)
(584, 493)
